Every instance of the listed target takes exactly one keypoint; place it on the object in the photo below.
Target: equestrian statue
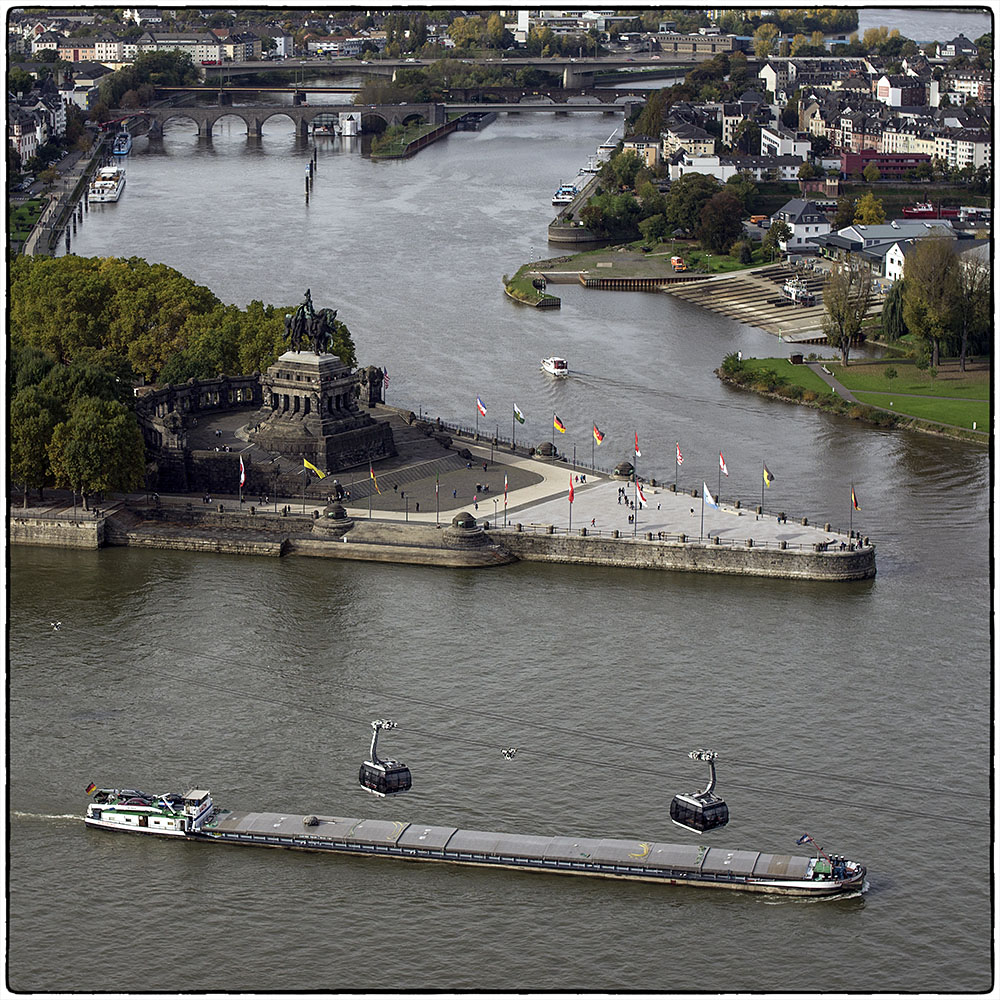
(308, 328)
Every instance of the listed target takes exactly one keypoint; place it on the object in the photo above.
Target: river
(859, 712)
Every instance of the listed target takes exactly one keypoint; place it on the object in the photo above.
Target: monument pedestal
(311, 412)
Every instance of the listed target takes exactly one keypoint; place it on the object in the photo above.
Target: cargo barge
(194, 817)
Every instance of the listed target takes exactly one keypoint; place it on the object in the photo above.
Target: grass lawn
(399, 138)
(973, 384)
(630, 261)
(959, 412)
(24, 217)
(795, 374)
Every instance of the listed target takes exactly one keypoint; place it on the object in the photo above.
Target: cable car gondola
(700, 811)
(383, 777)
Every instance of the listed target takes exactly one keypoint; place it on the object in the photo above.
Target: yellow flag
(308, 465)
(371, 474)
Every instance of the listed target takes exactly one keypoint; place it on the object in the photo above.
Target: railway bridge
(374, 117)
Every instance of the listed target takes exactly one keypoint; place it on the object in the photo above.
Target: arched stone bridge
(302, 116)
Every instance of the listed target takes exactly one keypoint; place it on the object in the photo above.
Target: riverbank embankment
(672, 530)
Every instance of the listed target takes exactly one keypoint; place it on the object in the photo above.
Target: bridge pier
(577, 79)
(254, 128)
(224, 100)
(298, 99)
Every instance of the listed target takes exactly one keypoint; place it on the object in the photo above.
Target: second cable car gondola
(383, 777)
(701, 811)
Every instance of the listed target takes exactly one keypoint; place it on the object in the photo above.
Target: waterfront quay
(458, 518)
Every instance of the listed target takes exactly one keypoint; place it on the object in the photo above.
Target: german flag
(90, 789)
(558, 424)
(598, 436)
(854, 499)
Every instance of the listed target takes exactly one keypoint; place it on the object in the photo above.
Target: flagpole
(677, 448)
(553, 431)
(437, 498)
(762, 486)
(851, 530)
(513, 436)
(593, 446)
(371, 486)
(701, 532)
(718, 492)
(635, 482)
(305, 477)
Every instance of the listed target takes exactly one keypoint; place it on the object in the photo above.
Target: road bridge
(574, 72)
(374, 116)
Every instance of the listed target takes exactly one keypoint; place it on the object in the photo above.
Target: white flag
(708, 496)
(722, 465)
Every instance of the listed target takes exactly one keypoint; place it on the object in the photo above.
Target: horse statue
(321, 330)
(308, 327)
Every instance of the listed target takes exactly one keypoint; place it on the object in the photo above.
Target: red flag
(680, 457)
(571, 487)
(243, 472)
(638, 490)
(505, 489)
(722, 465)
(638, 453)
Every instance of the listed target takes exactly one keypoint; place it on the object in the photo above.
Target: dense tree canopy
(148, 315)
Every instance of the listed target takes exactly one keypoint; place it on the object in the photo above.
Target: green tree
(98, 449)
(719, 223)
(778, 233)
(654, 229)
(33, 417)
(847, 294)
(742, 185)
(686, 198)
(893, 323)
(871, 174)
(930, 293)
(869, 210)
(845, 213)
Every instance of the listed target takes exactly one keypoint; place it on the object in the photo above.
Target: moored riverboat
(107, 185)
(123, 143)
(564, 194)
(194, 817)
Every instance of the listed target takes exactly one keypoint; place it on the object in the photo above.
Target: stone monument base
(311, 412)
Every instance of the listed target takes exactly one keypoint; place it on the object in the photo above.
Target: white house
(805, 221)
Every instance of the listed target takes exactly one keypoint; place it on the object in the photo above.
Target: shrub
(808, 396)
(891, 373)
(732, 365)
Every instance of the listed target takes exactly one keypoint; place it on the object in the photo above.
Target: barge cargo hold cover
(673, 864)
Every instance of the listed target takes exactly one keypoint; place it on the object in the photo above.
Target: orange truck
(677, 263)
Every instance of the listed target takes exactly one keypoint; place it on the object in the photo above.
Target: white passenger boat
(555, 366)
(564, 194)
(107, 185)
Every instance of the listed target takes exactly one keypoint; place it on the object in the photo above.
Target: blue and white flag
(803, 839)
(708, 496)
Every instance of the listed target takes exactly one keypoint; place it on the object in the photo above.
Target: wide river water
(859, 712)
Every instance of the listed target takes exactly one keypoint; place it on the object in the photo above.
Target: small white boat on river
(555, 366)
